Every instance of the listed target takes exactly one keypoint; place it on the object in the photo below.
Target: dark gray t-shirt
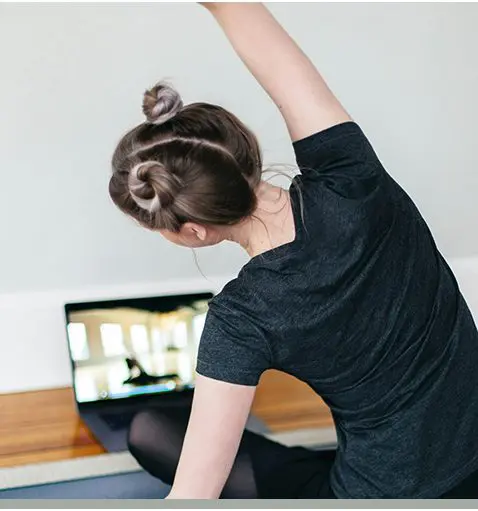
(362, 307)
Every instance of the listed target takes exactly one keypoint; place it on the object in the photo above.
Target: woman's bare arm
(280, 66)
(217, 422)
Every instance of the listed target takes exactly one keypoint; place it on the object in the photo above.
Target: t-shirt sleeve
(342, 159)
(232, 349)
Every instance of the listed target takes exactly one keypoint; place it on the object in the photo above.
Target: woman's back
(363, 308)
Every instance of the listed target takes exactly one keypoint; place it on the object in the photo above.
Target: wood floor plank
(285, 403)
(28, 458)
(43, 425)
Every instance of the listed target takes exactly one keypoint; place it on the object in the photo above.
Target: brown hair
(196, 163)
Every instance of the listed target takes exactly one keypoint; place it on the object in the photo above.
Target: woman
(345, 290)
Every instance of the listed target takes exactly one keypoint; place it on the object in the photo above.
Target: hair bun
(152, 187)
(161, 103)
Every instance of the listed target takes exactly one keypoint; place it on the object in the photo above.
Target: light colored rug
(120, 463)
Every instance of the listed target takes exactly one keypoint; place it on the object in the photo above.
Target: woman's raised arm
(280, 66)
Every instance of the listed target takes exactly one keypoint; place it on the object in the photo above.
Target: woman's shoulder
(245, 299)
(233, 347)
(234, 297)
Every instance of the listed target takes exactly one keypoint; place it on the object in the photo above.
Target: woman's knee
(155, 440)
(140, 432)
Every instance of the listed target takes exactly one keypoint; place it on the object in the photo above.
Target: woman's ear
(200, 232)
(194, 231)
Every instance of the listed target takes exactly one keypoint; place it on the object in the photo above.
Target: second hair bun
(161, 103)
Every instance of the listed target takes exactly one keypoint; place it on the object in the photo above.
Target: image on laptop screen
(125, 348)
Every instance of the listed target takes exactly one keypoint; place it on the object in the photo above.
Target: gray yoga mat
(133, 485)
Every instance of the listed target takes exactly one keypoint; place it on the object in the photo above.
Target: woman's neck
(270, 226)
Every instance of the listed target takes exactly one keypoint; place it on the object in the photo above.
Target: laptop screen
(131, 347)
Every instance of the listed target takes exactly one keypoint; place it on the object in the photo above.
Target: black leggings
(263, 469)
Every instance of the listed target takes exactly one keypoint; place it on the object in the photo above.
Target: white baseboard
(67, 470)
(32, 326)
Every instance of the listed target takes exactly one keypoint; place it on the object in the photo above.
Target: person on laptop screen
(345, 289)
(139, 376)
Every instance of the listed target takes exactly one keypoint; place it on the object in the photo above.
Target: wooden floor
(44, 425)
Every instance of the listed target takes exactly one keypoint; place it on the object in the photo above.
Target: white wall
(71, 81)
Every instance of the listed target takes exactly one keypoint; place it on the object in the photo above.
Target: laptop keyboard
(121, 420)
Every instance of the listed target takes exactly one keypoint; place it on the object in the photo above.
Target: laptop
(130, 354)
